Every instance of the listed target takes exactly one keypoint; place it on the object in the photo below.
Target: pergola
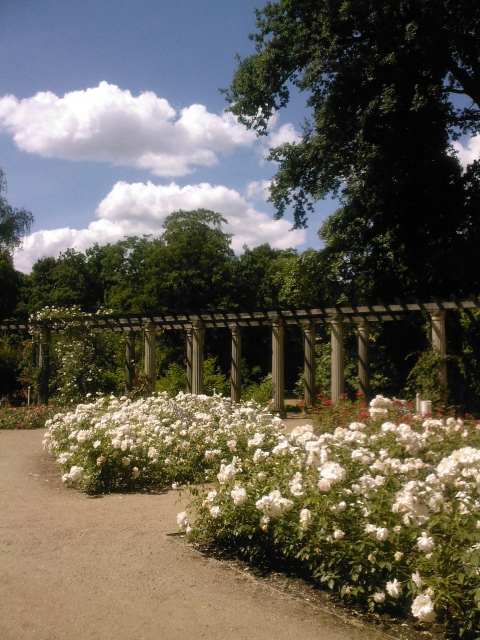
(194, 326)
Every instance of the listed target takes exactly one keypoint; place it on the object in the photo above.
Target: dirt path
(74, 567)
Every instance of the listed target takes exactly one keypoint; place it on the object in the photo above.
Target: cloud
(258, 189)
(285, 133)
(108, 124)
(137, 209)
(469, 151)
(277, 137)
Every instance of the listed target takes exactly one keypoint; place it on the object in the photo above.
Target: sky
(111, 118)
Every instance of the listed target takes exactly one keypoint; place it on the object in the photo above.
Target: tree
(256, 280)
(380, 77)
(122, 271)
(14, 223)
(11, 281)
(63, 282)
(190, 266)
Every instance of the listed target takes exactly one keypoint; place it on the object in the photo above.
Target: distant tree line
(191, 266)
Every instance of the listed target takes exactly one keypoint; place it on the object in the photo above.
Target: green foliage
(82, 362)
(258, 276)
(424, 377)
(260, 392)
(363, 67)
(377, 77)
(191, 264)
(300, 279)
(213, 379)
(125, 276)
(10, 355)
(14, 223)
(174, 380)
(26, 417)
(83, 365)
(69, 280)
(10, 282)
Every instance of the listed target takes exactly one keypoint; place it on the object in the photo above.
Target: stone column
(129, 360)
(197, 358)
(150, 364)
(236, 364)
(439, 342)
(278, 374)
(43, 365)
(338, 358)
(189, 345)
(364, 359)
(309, 336)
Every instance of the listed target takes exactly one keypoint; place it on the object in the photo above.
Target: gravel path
(74, 567)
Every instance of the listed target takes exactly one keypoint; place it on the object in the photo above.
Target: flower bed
(153, 442)
(26, 417)
(385, 511)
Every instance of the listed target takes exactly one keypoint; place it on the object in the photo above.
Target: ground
(113, 567)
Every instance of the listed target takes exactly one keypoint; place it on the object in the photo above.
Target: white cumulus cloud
(258, 189)
(108, 124)
(137, 209)
(285, 133)
(469, 151)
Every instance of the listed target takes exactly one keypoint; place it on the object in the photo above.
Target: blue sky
(111, 118)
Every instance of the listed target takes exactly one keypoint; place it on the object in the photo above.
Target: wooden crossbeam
(371, 312)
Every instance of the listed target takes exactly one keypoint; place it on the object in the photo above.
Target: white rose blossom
(423, 609)
(425, 543)
(374, 459)
(239, 496)
(394, 589)
(324, 485)
(305, 519)
(416, 578)
(382, 534)
(332, 472)
(274, 505)
(295, 485)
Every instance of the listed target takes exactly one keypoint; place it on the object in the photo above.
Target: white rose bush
(118, 444)
(385, 511)
(382, 507)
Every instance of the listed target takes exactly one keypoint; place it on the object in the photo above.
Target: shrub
(114, 444)
(261, 392)
(26, 417)
(174, 381)
(384, 511)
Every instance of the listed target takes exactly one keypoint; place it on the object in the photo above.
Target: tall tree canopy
(379, 78)
(14, 223)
